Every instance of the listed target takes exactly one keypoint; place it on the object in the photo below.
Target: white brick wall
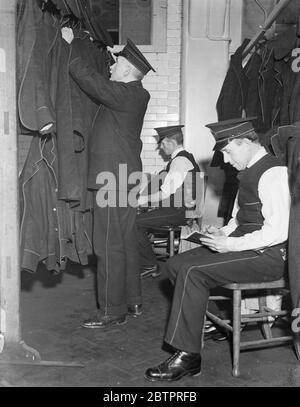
(164, 87)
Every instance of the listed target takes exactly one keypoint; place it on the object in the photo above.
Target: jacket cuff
(45, 120)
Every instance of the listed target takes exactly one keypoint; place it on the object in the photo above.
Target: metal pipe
(267, 24)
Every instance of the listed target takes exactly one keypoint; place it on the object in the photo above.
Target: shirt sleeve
(179, 168)
(232, 224)
(273, 191)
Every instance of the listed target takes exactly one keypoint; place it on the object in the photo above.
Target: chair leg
(237, 296)
(171, 242)
(266, 329)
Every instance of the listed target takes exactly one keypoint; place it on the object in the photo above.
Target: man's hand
(216, 243)
(216, 239)
(212, 230)
(67, 34)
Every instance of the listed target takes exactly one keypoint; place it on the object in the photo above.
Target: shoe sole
(193, 373)
(106, 326)
(212, 336)
(210, 329)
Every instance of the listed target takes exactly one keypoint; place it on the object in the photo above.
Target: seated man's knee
(173, 267)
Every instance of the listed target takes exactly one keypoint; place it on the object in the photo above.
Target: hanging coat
(50, 230)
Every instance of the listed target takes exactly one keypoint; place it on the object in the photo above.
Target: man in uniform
(251, 248)
(178, 180)
(114, 148)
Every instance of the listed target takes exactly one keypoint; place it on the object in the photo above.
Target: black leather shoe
(215, 335)
(175, 367)
(105, 321)
(209, 328)
(150, 271)
(135, 310)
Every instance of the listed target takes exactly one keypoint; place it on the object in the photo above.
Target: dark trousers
(155, 217)
(115, 245)
(196, 271)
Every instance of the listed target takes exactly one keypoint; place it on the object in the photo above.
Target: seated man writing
(171, 199)
(251, 248)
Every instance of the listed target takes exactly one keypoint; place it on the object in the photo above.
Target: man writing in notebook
(170, 200)
(251, 248)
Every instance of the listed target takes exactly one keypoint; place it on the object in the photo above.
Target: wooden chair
(167, 236)
(262, 317)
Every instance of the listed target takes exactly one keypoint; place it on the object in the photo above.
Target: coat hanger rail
(267, 24)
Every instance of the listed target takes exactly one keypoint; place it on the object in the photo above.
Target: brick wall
(164, 87)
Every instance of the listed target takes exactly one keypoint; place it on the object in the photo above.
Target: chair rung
(221, 322)
(257, 316)
(218, 297)
(159, 241)
(265, 342)
(246, 318)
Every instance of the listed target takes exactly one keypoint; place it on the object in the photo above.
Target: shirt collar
(176, 152)
(260, 153)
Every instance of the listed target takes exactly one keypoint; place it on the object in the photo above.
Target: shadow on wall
(214, 190)
(216, 178)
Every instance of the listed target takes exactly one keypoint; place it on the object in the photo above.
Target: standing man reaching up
(115, 144)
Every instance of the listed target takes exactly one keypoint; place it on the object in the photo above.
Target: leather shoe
(209, 327)
(105, 321)
(175, 367)
(215, 335)
(150, 271)
(135, 310)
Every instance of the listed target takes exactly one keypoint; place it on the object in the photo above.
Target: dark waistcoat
(249, 216)
(185, 194)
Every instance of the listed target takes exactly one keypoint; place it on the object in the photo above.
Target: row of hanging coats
(267, 86)
(55, 204)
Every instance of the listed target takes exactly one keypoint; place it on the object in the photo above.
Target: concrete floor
(53, 307)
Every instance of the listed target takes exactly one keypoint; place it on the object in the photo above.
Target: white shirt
(179, 168)
(273, 191)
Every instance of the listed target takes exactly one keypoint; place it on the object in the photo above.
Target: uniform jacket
(47, 94)
(286, 144)
(51, 231)
(116, 132)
